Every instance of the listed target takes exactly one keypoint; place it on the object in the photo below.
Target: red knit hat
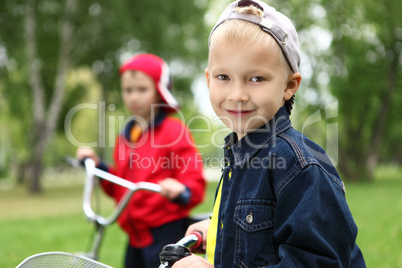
(158, 70)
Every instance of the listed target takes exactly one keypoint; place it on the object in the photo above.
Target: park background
(59, 88)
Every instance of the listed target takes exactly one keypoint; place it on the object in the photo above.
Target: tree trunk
(35, 172)
(102, 123)
(45, 122)
(378, 133)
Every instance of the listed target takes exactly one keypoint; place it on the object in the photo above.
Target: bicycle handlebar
(174, 252)
(102, 222)
(193, 240)
(91, 172)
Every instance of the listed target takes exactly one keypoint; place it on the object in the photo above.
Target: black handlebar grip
(172, 253)
(75, 162)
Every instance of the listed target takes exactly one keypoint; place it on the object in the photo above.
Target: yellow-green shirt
(213, 227)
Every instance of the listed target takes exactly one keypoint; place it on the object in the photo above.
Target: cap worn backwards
(274, 23)
(156, 68)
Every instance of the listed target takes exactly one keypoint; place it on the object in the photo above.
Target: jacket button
(250, 218)
(221, 225)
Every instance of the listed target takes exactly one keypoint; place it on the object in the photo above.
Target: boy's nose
(134, 96)
(238, 94)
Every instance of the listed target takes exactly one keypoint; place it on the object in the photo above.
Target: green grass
(377, 209)
(54, 221)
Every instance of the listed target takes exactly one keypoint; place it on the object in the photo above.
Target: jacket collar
(160, 116)
(241, 151)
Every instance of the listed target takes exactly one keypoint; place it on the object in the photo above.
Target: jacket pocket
(255, 244)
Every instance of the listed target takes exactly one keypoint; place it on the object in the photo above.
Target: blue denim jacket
(283, 203)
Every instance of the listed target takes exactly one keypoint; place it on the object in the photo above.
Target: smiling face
(139, 94)
(248, 82)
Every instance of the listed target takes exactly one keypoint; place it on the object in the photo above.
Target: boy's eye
(257, 79)
(223, 77)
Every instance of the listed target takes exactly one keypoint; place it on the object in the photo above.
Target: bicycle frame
(101, 222)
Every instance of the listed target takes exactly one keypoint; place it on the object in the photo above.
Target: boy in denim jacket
(280, 201)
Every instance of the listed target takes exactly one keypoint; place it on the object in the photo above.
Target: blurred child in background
(153, 147)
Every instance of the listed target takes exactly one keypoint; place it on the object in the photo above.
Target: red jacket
(166, 150)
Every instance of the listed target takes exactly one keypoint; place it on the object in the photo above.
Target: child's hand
(202, 227)
(171, 188)
(192, 261)
(87, 153)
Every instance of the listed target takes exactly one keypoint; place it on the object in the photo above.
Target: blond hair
(239, 32)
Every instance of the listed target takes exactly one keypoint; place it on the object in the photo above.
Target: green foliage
(364, 78)
(360, 69)
(104, 34)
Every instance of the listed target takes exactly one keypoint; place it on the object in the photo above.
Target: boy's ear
(207, 77)
(292, 85)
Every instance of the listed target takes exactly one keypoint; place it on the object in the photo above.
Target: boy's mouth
(239, 113)
(134, 108)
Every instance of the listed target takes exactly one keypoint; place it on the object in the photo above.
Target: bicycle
(169, 255)
(89, 258)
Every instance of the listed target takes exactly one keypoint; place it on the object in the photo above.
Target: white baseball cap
(275, 23)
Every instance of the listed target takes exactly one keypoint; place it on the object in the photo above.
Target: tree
(45, 118)
(361, 70)
(45, 39)
(366, 53)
